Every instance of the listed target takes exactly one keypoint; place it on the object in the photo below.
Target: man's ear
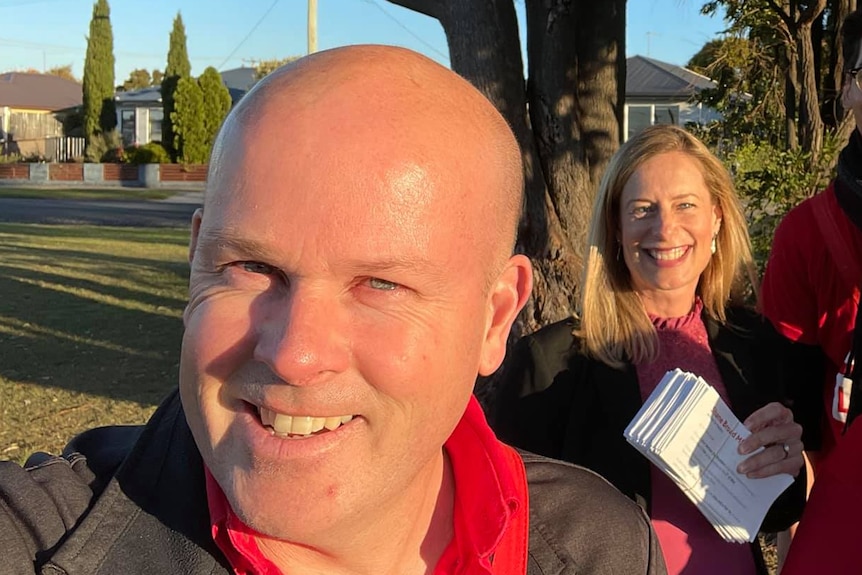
(196, 229)
(507, 297)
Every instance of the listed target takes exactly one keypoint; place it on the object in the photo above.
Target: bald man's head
(353, 259)
(389, 102)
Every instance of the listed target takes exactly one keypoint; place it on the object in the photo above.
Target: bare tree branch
(781, 13)
(812, 12)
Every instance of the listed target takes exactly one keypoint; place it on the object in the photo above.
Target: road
(173, 212)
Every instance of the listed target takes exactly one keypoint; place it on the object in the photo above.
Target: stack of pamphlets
(687, 431)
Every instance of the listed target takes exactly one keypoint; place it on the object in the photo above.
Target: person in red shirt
(812, 282)
(351, 275)
(813, 277)
(827, 539)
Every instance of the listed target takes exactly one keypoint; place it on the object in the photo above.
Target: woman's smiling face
(668, 219)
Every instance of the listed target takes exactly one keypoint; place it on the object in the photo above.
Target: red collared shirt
(487, 496)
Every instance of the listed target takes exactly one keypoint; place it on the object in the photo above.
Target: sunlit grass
(90, 328)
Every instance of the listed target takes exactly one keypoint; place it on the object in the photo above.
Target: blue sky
(41, 34)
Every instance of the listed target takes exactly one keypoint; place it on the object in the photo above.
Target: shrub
(772, 180)
(151, 153)
(105, 147)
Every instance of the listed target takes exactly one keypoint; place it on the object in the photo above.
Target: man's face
(335, 325)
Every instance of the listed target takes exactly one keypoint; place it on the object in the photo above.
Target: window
(639, 117)
(156, 116)
(666, 115)
(127, 126)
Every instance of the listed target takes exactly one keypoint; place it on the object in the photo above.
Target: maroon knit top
(688, 541)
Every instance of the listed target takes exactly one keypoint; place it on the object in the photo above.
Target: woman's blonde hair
(613, 323)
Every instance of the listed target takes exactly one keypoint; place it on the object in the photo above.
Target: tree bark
(811, 124)
(791, 78)
(576, 92)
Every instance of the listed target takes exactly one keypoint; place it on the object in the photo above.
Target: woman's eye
(641, 210)
(257, 268)
(686, 205)
(379, 284)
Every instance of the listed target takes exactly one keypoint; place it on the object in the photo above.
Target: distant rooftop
(238, 81)
(649, 78)
(242, 78)
(148, 94)
(25, 90)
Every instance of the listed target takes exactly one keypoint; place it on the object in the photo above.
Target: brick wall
(183, 173)
(66, 172)
(14, 171)
(120, 172)
(109, 174)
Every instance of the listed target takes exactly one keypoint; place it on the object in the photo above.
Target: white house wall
(688, 112)
(142, 126)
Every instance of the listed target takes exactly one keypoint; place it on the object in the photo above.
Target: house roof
(242, 78)
(39, 91)
(148, 95)
(649, 78)
(238, 81)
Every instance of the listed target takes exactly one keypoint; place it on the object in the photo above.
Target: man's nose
(301, 337)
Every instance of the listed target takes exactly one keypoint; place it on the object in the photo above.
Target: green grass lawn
(90, 328)
(57, 193)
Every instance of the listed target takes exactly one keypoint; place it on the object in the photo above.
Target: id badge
(841, 397)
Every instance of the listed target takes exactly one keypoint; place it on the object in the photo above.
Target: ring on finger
(786, 449)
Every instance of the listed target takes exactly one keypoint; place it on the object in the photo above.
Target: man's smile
(284, 425)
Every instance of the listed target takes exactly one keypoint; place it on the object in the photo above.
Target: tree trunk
(576, 92)
(830, 109)
(811, 125)
(791, 71)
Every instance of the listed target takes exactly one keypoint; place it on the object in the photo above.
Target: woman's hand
(772, 427)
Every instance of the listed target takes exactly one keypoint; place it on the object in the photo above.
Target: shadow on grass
(157, 236)
(92, 335)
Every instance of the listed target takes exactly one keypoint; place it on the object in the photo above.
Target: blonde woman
(667, 248)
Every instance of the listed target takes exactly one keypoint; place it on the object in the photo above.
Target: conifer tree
(178, 67)
(98, 90)
(216, 104)
(189, 139)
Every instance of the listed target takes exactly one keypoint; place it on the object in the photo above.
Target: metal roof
(25, 90)
(649, 78)
(238, 81)
(148, 95)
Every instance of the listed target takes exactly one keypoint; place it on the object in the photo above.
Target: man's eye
(686, 205)
(257, 268)
(379, 284)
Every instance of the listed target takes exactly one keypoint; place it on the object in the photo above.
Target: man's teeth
(673, 254)
(300, 424)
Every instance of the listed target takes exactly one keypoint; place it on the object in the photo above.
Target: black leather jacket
(556, 401)
(131, 501)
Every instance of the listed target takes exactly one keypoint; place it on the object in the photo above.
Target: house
(662, 93)
(140, 115)
(140, 112)
(32, 109)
